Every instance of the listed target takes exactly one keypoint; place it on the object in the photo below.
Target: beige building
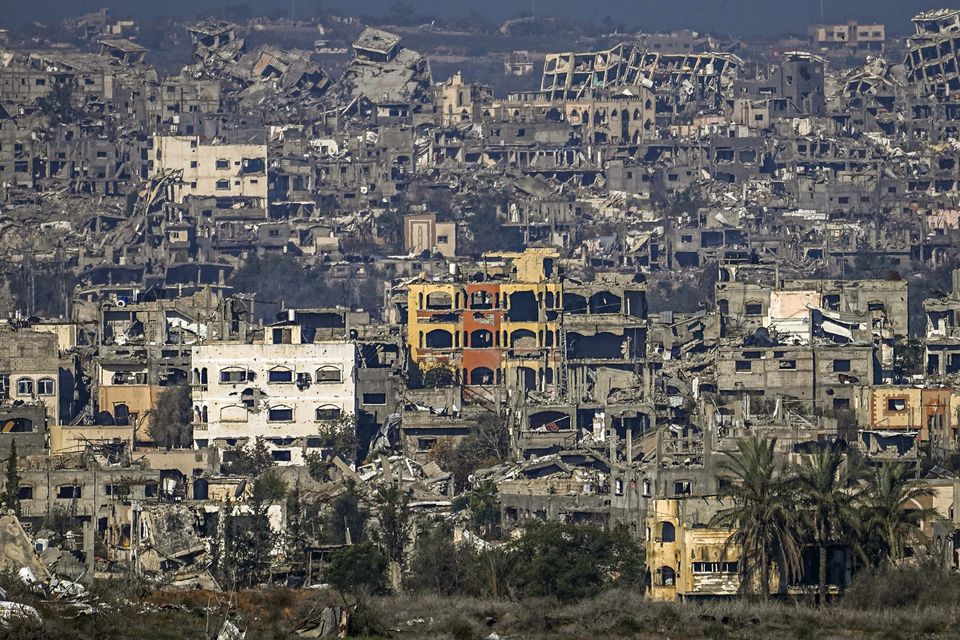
(422, 232)
(212, 170)
(282, 389)
(685, 556)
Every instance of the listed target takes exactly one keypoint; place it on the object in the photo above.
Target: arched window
(280, 413)
(667, 531)
(439, 339)
(231, 375)
(280, 375)
(328, 412)
(481, 376)
(329, 373)
(46, 387)
(24, 387)
(233, 413)
(665, 577)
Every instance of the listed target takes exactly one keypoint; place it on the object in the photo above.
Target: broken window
(664, 577)
(282, 336)
(69, 492)
(233, 375)
(668, 532)
(754, 308)
(788, 364)
(744, 365)
(329, 373)
(328, 412)
(16, 425)
(121, 414)
(46, 387)
(25, 492)
(280, 414)
(223, 185)
(481, 339)
(439, 339)
(681, 488)
(281, 455)
(222, 164)
(439, 300)
(24, 387)
(896, 404)
(280, 375)
(715, 567)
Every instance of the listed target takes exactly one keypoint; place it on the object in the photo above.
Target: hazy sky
(721, 16)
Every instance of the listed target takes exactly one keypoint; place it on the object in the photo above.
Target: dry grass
(275, 613)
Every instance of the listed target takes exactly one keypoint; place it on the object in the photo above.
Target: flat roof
(377, 41)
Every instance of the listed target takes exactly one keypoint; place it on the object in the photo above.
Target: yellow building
(685, 556)
(502, 328)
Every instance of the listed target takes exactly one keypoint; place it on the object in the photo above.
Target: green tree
(357, 569)
(439, 565)
(339, 438)
(296, 534)
(763, 516)
(11, 486)
(572, 562)
(485, 507)
(888, 525)
(485, 232)
(251, 460)
(249, 540)
(393, 504)
(827, 497)
(172, 419)
(487, 444)
(345, 515)
(58, 104)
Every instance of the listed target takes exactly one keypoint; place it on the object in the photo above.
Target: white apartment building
(212, 170)
(281, 390)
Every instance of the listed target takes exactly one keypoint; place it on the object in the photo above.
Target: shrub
(888, 587)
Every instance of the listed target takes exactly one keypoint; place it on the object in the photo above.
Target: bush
(888, 587)
(571, 562)
(358, 568)
(439, 565)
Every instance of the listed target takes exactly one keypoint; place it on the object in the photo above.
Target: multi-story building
(206, 169)
(850, 36)
(501, 328)
(284, 389)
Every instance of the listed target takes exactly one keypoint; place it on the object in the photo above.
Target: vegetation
(485, 232)
(827, 500)
(393, 505)
(172, 425)
(573, 562)
(11, 484)
(345, 518)
(357, 568)
(827, 495)
(887, 526)
(249, 539)
(763, 516)
(488, 443)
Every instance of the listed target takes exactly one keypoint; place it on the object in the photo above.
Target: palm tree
(485, 507)
(763, 515)
(827, 496)
(886, 521)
